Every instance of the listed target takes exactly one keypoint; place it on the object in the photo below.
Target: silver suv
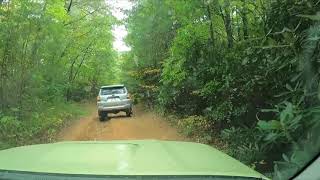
(113, 99)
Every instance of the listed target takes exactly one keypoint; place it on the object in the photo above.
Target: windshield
(112, 90)
(241, 76)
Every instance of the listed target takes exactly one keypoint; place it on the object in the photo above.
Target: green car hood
(134, 157)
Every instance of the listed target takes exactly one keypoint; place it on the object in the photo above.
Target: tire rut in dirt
(142, 125)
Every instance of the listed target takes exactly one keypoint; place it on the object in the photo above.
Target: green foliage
(196, 127)
(248, 69)
(42, 126)
(244, 144)
(50, 54)
(287, 129)
(246, 72)
(299, 156)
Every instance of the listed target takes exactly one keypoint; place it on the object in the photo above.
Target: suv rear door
(113, 96)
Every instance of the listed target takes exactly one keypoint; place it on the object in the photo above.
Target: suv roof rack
(118, 85)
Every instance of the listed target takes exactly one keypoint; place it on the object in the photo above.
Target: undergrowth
(39, 127)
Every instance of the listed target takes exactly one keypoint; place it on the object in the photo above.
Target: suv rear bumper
(114, 108)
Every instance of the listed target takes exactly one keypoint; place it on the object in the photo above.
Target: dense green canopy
(244, 71)
(53, 49)
(242, 75)
(50, 51)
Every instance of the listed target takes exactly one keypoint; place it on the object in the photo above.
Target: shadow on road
(117, 116)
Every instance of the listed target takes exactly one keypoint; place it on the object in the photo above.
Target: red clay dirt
(142, 125)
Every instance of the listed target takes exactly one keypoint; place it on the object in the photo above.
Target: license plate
(113, 100)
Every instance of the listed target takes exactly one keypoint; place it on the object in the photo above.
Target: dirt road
(142, 125)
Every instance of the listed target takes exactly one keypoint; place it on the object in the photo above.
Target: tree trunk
(3, 74)
(74, 72)
(227, 23)
(211, 26)
(245, 19)
(239, 28)
(4, 70)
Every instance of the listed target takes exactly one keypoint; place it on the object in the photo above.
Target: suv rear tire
(129, 112)
(103, 116)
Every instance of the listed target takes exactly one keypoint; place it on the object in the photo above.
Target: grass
(41, 126)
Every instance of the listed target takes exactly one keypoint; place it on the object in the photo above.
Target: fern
(309, 146)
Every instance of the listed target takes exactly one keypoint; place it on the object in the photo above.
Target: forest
(51, 55)
(240, 75)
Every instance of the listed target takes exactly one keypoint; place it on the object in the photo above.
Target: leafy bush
(45, 57)
(300, 154)
(9, 127)
(197, 128)
(244, 144)
(40, 127)
(245, 71)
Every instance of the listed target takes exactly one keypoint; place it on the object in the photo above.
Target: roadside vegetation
(240, 75)
(51, 55)
(245, 72)
(42, 126)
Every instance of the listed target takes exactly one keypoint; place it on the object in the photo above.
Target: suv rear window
(112, 90)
